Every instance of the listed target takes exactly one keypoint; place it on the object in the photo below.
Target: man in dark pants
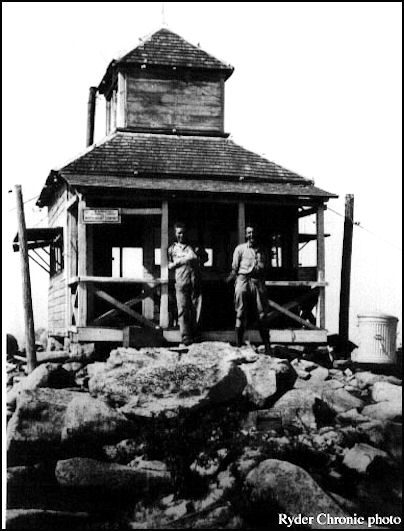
(187, 262)
(249, 265)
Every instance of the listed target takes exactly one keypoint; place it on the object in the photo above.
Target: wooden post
(346, 270)
(320, 265)
(26, 283)
(164, 266)
(148, 265)
(82, 263)
(241, 222)
(91, 115)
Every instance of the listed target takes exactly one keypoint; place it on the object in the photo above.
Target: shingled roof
(129, 160)
(166, 48)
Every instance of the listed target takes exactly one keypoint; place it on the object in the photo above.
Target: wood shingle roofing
(165, 48)
(164, 162)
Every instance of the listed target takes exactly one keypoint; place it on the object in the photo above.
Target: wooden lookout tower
(166, 157)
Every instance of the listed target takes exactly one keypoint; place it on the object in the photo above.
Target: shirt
(184, 273)
(248, 260)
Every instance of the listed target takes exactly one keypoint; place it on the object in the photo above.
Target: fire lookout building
(166, 157)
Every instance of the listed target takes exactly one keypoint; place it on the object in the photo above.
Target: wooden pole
(241, 222)
(164, 266)
(346, 270)
(26, 283)
(320, 265)
(82, 262)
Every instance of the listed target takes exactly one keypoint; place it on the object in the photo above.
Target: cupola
(166, 85)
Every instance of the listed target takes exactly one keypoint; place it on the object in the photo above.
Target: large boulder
(340, 400)
(164, 382)
(266, 378)
(288, 490)
(385, 391)
(46, 519)
(86, 473)
(50, 423)
(388, 410)
(88, 421)
(361, 456)
(34, 430)
(46, 375)
(300, 409)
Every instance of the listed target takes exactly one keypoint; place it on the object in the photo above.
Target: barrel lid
(378, 315)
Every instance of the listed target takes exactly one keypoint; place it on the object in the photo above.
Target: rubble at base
(216, 437)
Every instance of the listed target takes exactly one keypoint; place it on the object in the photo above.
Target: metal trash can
(377, 339)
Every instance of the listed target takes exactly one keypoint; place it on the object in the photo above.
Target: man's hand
(230, 278)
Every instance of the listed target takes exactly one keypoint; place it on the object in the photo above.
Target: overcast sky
(317, 88)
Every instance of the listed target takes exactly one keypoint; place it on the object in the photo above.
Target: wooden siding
(57, 293)
(174, 103)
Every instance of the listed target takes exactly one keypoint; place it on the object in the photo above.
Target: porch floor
(283, 336)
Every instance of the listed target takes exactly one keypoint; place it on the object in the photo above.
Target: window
(56, 259)
(276, 251)
(127, 262)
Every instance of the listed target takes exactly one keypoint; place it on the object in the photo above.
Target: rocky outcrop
(206, 375)
(81, 472)
(266, 378)
(362, 456)
(289, 490)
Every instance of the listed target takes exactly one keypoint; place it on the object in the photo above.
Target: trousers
(250, 297)
(189, 306)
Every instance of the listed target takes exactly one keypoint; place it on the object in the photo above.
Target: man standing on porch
(187, 262)
(250, 263)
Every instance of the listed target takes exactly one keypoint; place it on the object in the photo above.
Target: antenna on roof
(163, 16)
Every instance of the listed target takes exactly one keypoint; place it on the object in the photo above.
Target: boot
(239, 335)
(264, 333)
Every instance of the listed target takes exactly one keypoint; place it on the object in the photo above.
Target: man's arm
(235, 265)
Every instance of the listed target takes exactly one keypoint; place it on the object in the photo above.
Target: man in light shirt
(187, 262)
(250, 263)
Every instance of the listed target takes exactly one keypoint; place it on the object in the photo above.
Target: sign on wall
(102, 215)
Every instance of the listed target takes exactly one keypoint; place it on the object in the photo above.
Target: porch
(105, 299)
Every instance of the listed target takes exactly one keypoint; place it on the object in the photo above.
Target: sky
(317, 88)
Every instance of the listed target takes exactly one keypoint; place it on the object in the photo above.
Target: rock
(298, 409)
(340, 400)
(123, 452)
(72, 366)
(367, 379)
(385, 391)
(90, 422)
(34, 431)
(361, 456)
(11, 346)
(46, 375)
(205, 375)
(248, 460)
(82, 472)
(225, 480)
(45, 519)
(21, 476)
(384, 410)
(291, 489)
(214, 519)
(352, 416)
(318, 375)
(177, 511)
(267, 377)
(385, 435)
(304, 365)
(156, 473)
